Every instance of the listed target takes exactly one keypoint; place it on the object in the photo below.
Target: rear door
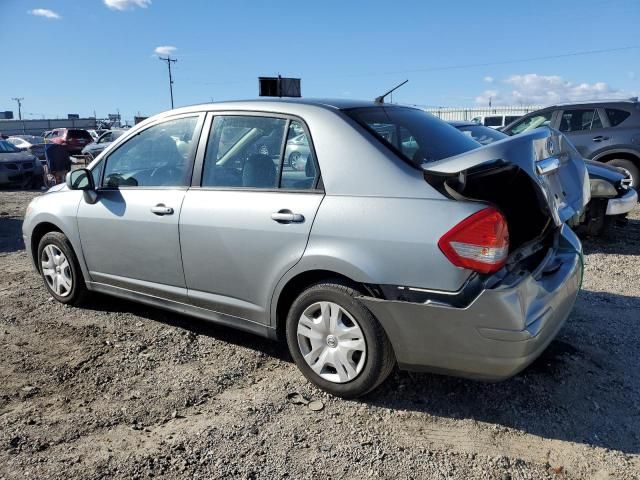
(247, 218)
(130, 235)
(585, 128)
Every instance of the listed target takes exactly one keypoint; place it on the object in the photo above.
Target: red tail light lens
(480, 242)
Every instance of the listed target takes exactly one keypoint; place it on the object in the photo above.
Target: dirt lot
(118, 390)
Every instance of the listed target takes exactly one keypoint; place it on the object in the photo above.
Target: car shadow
(584, 388)
(197, 326)
(10, 234)
(618, 239)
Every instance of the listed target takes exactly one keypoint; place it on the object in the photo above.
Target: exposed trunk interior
(508, 188)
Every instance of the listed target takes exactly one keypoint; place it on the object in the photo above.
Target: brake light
(480, 242)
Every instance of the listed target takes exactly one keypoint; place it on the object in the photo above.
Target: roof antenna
(380, 99)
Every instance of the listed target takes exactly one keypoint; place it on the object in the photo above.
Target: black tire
(629, 166)
(78, 291)
(379, 359)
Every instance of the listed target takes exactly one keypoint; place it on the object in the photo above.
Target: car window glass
(95, 172)
(299, 169)
(529, 123)
(244, 152)
(105, 138)
(158, 156)
(416, 135)
(616, 117)
(510, 118)
(578, 120)
(493, 121)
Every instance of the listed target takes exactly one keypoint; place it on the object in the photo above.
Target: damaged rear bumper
(499, 333)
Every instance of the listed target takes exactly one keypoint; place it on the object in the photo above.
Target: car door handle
(162, 209)
(287, 216)
(599, 138)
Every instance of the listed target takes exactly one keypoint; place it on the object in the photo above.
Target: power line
(455, 67)
(169, 61)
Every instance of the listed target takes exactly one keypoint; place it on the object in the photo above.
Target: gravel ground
(119, 390)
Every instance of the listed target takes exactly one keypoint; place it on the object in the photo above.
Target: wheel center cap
(332, 341)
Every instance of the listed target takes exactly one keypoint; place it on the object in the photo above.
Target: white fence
(456, 113)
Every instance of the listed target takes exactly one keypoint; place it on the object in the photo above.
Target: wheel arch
(296, 284)
(39, 231)
(624, 154)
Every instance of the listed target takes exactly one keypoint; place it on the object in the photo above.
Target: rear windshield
(415, 135)
(79, 134)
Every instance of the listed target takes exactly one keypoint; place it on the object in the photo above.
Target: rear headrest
(259, 171)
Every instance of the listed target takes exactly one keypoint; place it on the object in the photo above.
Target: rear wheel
(336, 341)
(631, 167)
(60, 269)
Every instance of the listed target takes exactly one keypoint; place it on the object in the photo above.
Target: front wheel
(630, 167)
(336, 341)
(60, 269)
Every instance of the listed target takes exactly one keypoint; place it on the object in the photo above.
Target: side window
(105, 138)
(616, 117)
(510, 118)
(244, 152)
(578, 120)
(299, 169)
(158, 156)
(529, 123)
(95, 172)
(494, 121)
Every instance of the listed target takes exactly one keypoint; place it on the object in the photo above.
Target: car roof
(628, 101)
(267, 103)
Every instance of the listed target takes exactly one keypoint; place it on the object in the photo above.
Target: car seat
(259, 172)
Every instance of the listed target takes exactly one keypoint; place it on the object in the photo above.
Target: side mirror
(80, 179)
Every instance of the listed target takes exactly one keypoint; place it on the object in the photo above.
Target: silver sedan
(400, 242)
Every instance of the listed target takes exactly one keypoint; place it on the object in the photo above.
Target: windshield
(6, 147)
(481, 134)
(415, 135)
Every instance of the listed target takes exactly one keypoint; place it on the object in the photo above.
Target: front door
(130, 235)
(583, 126)
(249, 221)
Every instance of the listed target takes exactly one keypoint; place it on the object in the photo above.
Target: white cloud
(488, 79)
(44, 12)
(165, 50)
(126, 4)
(534, 89)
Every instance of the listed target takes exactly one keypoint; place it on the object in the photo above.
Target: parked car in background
(19, 167)
(604, 131)
(74, 139)
(434, 258)
(94, 149)
(31, 143)
(94, 134)
(612, 196)
(495, 120)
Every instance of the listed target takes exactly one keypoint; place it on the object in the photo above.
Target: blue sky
(99, 54)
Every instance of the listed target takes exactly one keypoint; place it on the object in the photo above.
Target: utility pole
(169, 61)
(19, 100)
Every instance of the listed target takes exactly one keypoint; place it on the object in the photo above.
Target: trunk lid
(556, 169)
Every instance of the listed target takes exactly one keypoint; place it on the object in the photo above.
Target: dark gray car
(95, 148)
(605, 131)
(400, 242)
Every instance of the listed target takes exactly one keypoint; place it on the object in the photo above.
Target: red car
(74, 139)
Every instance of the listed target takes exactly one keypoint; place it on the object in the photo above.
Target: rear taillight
(480, 242)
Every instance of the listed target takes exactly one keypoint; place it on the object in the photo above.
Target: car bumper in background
(624, 204)
(498, 334)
